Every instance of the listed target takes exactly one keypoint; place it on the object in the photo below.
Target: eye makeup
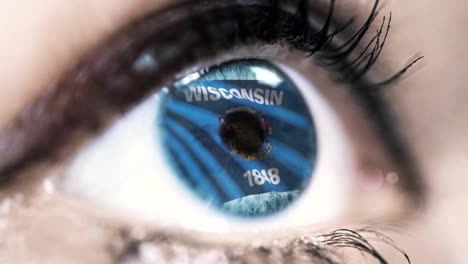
(147, 54)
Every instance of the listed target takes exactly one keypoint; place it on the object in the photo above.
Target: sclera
(124, 170)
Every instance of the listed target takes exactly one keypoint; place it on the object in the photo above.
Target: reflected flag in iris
(233, 133)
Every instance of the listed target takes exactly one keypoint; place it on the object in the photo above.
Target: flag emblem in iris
(241, 136)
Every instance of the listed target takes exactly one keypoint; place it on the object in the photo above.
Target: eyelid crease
(104, 84)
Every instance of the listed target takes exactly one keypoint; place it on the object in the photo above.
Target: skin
(430, 106)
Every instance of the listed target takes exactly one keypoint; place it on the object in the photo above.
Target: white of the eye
(125, 169)
(330, 187)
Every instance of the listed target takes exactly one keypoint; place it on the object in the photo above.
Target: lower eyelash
(327, 248)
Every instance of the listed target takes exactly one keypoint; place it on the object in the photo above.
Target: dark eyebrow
(105, 84)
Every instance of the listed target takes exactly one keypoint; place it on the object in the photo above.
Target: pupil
(244, 132)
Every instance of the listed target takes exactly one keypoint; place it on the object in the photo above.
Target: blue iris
(240, 136)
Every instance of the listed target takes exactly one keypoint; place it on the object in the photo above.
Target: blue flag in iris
(237, 141)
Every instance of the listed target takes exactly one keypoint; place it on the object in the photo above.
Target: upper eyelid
(80, 103)
(67, 104)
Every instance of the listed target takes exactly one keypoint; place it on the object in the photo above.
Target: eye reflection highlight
(240, 136)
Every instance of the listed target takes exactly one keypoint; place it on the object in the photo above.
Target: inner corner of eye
(240, 136)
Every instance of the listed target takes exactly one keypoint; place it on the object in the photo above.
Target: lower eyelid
(352, 245)
(117, 242)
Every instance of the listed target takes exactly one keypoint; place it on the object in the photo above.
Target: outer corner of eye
(246, 143)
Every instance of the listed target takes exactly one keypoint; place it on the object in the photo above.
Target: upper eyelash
(338, 57)
(104, 84)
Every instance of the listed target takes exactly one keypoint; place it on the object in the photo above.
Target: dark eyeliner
(106, 83)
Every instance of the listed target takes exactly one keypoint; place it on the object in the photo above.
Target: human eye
(122, 80)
